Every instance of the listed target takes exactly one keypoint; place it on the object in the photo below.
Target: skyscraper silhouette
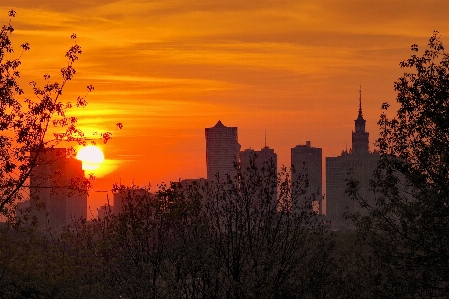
(359, 164)
(307, 172)
(265, 161)
(52, 183)
(128, 197)
(360, 138)
(222, 151)
(264, 158)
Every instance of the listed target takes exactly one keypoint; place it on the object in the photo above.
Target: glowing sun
(91, 156)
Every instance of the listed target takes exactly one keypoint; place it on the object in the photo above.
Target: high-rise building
(265, 161)
(359, 164)
(55, 199)
(307, 168)
(105, 210)
(127, 197)
(222, 151)
(265, 158)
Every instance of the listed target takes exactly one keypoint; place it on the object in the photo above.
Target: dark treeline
(232, 239)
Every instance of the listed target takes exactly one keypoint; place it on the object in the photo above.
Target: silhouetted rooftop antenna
(265, 137)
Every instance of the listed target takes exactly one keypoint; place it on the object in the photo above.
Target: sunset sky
(168, 69)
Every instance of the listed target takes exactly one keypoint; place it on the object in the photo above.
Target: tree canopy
(25, 121)
(407, 224)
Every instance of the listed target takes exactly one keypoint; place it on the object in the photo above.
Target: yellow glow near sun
(91, 156)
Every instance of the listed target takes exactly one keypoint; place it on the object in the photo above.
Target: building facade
(359, 164)
(264, 159)
(307, 171)
(55, 195)
(222, 152)
(124, 199)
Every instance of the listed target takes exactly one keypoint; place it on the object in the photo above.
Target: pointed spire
(360, 102)
(360, 138)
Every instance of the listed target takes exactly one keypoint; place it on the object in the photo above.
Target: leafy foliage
(407, 225)
(25, 122)
(209, 240)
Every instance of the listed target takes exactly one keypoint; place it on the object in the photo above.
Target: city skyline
(166, 70)
(223, 150)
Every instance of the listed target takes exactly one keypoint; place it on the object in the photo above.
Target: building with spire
(265, 159)
(222, 151)
(358, 163)
(261, 165)
(360, 138)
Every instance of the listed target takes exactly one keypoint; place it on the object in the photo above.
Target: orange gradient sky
(168, 69)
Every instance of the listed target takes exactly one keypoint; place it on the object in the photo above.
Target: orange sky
(168, 69)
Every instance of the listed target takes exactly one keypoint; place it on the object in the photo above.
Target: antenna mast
(265, 137)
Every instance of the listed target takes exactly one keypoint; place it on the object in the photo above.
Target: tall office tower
(265, 158)
(307, 173)
(129, 197)
(359, 163)
(222, 150)
(51, 188)
(266, 162)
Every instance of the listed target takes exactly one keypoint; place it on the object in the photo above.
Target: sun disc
(91, 156)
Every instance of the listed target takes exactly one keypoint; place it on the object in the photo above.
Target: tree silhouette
(407, 226)
(25, 122)
(221, 239)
